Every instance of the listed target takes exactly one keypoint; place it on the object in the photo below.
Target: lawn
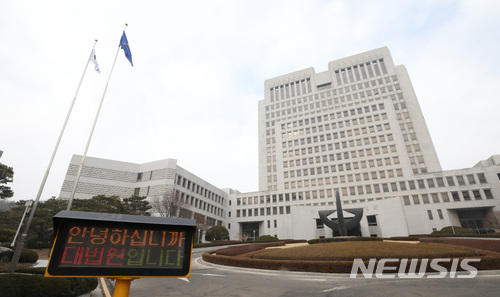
(345, 251)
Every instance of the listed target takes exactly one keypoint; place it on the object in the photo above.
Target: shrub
(266, 238)
(6, 235)
(338, 239)
(484, 244)
(243, 249)
(217, 243)
(453, 231)
(217, 233)
(18, 285)
(28, 256)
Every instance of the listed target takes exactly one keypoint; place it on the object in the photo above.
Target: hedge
(337, 239)
(28, 256)
(20, 285)
(244, 249)
(488, 262)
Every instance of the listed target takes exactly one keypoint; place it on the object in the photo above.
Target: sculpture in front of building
(342, 226)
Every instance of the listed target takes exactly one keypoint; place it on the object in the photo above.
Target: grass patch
(347, 251)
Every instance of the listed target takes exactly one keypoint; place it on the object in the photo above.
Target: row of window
(359, 130)
(354, 143)
(443, 197)
(275, 210)
(200, 190)
(455, 196)
(292, 89)
(303, 86)
(364, 176)
(338, 167)
(360, 71)
(419, 184)
(325, 103)
(188, 200)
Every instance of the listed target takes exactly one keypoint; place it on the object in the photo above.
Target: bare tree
(168, 205)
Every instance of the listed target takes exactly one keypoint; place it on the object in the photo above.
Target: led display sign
(116, 245)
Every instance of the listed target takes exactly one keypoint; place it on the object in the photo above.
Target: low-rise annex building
(163, 182)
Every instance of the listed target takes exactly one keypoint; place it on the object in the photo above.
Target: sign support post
(122, 287)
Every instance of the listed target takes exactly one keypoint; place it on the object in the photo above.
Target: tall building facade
(356, 128)
(360, 117)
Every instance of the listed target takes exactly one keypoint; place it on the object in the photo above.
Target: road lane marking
(105, 287)
(211, 274)
(312, 279)
(336, 289)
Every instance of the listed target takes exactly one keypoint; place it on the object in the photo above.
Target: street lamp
(28, 205)
(253, 235)
(199, 232)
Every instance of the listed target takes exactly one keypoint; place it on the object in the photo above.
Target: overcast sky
(199, 72)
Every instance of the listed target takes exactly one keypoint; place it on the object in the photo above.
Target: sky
(199, 72)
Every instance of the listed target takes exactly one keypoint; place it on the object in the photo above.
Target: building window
(440, 214)
(372, 220)
(319, 224)
(482, 178)
(416, 201)
(487, 193)
(425, 198)
(429, 213)
(406, 200)
(137, 191)
(470, 178)
(139, 176)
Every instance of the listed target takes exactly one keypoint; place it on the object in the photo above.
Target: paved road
(210, 280)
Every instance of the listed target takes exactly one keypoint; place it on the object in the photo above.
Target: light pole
(28, 205)
(253, 235)
(199, 233)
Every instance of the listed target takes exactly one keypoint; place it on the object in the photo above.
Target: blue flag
(126, 48)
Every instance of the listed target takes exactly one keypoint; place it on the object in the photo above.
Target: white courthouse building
(356, 128)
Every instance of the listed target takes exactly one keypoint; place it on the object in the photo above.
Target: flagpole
(20, 245)
(75, 184)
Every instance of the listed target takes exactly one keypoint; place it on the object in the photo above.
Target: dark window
(372, 220)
